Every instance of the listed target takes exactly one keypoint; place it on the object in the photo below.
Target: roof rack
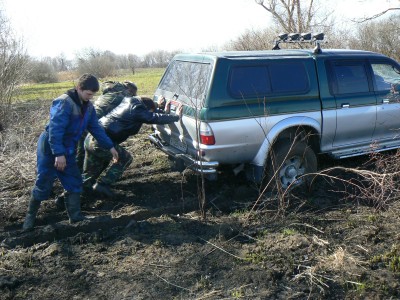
(300, 38)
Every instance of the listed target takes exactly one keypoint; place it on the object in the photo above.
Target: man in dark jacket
(113, 94)
(70, 115)
(122, 122)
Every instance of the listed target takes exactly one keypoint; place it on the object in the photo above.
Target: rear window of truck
(188, 79)
(263, 80)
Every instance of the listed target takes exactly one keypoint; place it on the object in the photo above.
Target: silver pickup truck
(271, 113)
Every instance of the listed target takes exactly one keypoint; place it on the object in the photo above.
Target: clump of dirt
(153, 242)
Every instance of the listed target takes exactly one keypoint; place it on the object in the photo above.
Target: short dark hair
(88, 82)
(149, 103)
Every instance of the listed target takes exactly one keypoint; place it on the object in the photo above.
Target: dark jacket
(127, 119)
(69, 118)
(107, 102)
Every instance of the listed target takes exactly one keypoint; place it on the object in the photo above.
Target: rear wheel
(289, 163)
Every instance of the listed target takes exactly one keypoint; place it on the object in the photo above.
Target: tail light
(206, 134)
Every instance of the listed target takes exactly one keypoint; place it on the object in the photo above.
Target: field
(156, 241)
(145, 79)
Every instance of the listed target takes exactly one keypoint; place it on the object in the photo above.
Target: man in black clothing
(113, 94)
(122, 122)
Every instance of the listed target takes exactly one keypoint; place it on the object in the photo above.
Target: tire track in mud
(62, 230)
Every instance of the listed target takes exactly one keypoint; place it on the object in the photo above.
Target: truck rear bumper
(198, 166)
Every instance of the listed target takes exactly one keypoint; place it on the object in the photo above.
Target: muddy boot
(31, 214)
(87, 193)
(60, 201)
(103, 189)
(73, 206)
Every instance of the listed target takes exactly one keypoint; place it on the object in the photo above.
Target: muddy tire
(289, 163)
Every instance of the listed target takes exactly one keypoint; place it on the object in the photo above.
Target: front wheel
(288, 164)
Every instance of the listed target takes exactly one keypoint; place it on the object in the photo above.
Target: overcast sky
(52, 27)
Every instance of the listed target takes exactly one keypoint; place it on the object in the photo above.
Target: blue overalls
(68, 120)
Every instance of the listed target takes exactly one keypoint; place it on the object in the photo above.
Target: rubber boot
(73, 206)
(103, 189)
(59, 201)
(31, 214)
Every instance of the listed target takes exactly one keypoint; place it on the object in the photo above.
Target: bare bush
(100, 63)
(42, 72)
(254, 40)
(379, 36)
(13, 61)
(376, 182)
(18, 148)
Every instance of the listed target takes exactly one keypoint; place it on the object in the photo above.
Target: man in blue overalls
(70, 115)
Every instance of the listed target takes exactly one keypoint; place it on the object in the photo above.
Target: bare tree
(157, 59)
(13, 62)
(61, 63)
(100, 63)
(133, 61)
(290, 16)
(297, 15)
(377, 15)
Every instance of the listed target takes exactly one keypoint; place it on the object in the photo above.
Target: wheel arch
(306, 127)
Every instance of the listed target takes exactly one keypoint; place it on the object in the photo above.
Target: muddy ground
(155, 241)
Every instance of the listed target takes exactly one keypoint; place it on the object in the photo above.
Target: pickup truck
(271, 113)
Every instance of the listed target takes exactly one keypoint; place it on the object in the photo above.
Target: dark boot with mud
(31, 215)
(73, 206)
(103, 189)
(60, 201)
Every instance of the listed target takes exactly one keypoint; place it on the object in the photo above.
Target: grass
(391, 259)
(146, 80)
(288, 231)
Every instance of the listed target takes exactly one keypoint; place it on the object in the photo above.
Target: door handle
(345, 105)
(385, 101)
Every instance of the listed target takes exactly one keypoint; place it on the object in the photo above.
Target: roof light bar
(307, 37)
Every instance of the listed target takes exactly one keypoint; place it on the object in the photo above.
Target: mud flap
(176, 164)
(254, 173)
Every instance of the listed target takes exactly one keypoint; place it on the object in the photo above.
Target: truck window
(187, 79)
(273, 78)
(249, 82)
(289, 78)
(350, 78)
(385, 75)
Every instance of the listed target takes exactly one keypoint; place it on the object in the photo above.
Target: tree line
(100, 63)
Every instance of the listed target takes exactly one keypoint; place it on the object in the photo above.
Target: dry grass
(372, 182)
(18, 150)
(67, 76)
(375, 182)
(336, 267)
